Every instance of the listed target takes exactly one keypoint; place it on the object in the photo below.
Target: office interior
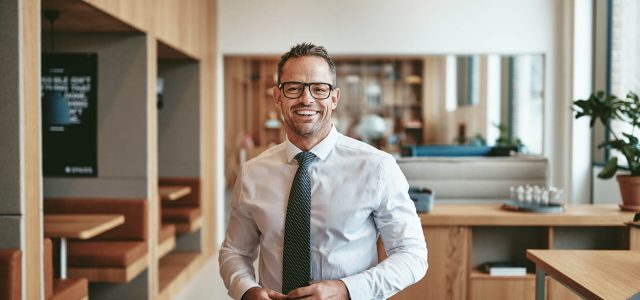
(148, 109)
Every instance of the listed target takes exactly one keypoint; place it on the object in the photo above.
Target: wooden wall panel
(557, 291)
(177, 24)
(448, 260)
(134, 13)
(32, 162)
(634, 238)
(152, 164)
(502, 289)
(209, 162)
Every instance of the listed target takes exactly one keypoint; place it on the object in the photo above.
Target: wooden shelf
(477, 274)
(176, 269)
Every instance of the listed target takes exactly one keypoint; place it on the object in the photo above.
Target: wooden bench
(166, 239)
(118, 255)
(10, 274)
(185, 213)
(61, 289)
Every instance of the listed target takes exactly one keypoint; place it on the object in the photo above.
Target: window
(624, 56)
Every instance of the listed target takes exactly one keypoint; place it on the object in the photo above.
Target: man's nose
(306, 97)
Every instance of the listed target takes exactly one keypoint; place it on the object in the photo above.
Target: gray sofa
(474, 179)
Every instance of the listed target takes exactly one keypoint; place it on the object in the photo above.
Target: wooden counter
(493, 215)
(460, 237)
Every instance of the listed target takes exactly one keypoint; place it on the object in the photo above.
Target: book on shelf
(503, 268)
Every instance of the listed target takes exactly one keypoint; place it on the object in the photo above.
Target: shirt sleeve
(240, 247)
(401, 231)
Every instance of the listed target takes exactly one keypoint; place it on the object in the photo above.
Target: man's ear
(335, 99)
(276, 96)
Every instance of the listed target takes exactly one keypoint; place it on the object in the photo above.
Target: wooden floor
(206, 284)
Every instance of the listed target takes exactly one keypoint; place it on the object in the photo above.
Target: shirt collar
(321, 150)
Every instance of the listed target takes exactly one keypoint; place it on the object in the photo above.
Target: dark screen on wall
(69, 114)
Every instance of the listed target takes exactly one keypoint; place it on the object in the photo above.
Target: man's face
(306, 118)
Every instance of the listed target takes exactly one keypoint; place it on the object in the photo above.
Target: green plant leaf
(610, 169)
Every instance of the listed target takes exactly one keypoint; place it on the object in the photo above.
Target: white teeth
(306, 112)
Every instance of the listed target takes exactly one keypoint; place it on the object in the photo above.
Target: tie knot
(305, 158)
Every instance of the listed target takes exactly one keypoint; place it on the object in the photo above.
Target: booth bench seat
(185, 219)
(118, 255)
(166, 239)
(10, 274)
(186, 212)
(61, 289)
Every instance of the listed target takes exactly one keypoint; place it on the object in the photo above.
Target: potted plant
(607, 108)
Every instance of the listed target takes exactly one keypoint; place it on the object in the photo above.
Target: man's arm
(240, 247)
(404, 241)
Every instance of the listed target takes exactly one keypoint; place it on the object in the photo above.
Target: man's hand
(258, 293)
(321, 290)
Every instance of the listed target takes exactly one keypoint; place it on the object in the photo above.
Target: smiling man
(313, 207)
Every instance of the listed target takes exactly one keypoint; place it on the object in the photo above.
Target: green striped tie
(296, 258)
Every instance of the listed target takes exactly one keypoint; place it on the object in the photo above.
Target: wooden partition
(127, 35)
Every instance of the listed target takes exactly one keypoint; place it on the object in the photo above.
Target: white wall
(382, 26)
(417, 27)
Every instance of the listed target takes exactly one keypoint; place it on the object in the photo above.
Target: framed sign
(69, 114)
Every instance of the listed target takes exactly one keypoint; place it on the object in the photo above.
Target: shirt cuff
(242, 287)
(357, 286)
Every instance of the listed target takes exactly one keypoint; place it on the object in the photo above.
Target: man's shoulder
(270, 155)
(361, 149)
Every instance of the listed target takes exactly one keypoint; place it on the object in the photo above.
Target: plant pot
(630, 192)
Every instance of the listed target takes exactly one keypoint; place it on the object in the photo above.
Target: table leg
(63, 258)
(539, 283)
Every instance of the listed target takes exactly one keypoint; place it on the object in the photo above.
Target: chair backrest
(472, 179)
(134, 211)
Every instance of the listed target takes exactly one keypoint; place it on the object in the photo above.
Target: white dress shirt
(357, 193)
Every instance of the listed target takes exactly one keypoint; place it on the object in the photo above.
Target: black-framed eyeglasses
(294, 89)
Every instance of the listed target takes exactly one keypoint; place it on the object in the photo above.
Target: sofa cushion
(70, 289)
(166, 232)
(474, 178)
(180, 214)
(91, 254)
(10, 274)
(47, 260)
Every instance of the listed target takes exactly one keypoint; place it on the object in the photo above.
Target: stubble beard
(302, 129)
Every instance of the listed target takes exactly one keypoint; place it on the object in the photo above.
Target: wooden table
(593, 274)
(77, 226)
(173, 192)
